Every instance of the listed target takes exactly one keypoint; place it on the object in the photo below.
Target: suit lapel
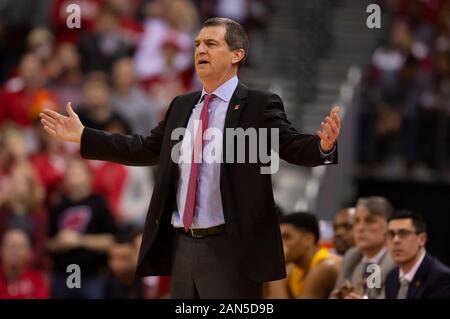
(237, 103)
(183, 110)
(417, 284)
(179, 119)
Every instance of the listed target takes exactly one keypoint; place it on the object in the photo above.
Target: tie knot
(208, 98)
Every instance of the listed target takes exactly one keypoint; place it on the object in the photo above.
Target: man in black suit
(418, 275)
(212, 226)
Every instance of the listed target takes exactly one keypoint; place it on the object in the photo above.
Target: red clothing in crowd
(109, 180)
(50, 169)
(156, 287)
(31, 284)
(89, 12)
(21, 106)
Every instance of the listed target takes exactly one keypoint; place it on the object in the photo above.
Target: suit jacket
(431, 281)
(353, 269)
(250, 214)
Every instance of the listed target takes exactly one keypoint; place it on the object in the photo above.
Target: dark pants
(208, 267)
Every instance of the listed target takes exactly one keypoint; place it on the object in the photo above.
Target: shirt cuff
(328, 156)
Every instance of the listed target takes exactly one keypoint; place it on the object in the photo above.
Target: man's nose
(201, 48)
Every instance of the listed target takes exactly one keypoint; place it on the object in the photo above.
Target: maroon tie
(189, 207)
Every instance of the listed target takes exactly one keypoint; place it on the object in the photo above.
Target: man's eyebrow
(206, 40)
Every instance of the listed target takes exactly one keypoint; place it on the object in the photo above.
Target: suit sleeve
(132, 150)
(295, 148)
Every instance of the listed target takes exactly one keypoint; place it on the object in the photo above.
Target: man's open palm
(66, 128)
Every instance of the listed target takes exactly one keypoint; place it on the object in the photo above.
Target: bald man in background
(343, 230)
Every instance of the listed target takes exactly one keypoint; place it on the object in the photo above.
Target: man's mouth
(202, 61)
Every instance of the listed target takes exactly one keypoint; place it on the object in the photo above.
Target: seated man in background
(343, 230)
(370, 239)
(121, 282)
(17, 279)
(311, 270)
(418, 275)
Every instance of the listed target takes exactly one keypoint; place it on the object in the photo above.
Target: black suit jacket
(431, 281)
(247, 197)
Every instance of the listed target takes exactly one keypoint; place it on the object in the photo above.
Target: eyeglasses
(402, 233)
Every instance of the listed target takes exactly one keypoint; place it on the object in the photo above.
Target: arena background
(392, 82)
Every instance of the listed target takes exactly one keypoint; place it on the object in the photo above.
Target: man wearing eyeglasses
(418, 275)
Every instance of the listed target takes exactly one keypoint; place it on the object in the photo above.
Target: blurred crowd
(120, 71)
(404, 118)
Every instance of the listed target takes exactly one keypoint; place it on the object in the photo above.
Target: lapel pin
(236, 107)
(417, 284)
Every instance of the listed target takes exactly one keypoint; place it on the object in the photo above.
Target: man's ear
(238, 55)
(423, 239)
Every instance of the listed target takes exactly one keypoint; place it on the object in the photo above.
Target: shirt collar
(224, 91)
(375, 259)
(410, 274)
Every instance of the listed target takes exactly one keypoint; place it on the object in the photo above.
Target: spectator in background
(97, 112)
(24, 96)
(40, 41)
(129, 101)
(122, 282)
(171, 21)
(370, 239)
(311, 270)
(130, 28)
(21, 193)
(18, 280)
(49, 161)
(418, 275)
(90, 11)
(17, 19)
(81, 232)
(119, 185)
(105, 44)
(66, 75)
(343, 230)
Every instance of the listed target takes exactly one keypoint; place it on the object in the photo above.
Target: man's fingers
(323, 136)
(53, 114)
(69, 109)
(335, 110)
(334, 114)
(50, 125)
(328, 130)
(333, 126)
(50, 131)
(47, 118)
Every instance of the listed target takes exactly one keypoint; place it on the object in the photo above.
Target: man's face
(122, 259)
(77, 177)
(96, 95)
(369, 229)
(213, 57)
(403, 242)
(295, 242)
(343, 230)
(15, 250)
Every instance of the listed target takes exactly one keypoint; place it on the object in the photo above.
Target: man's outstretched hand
(65, 128)
(330, 130)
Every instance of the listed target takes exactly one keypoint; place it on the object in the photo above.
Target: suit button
(156, 221)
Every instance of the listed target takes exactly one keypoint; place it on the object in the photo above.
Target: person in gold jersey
(311, 269)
